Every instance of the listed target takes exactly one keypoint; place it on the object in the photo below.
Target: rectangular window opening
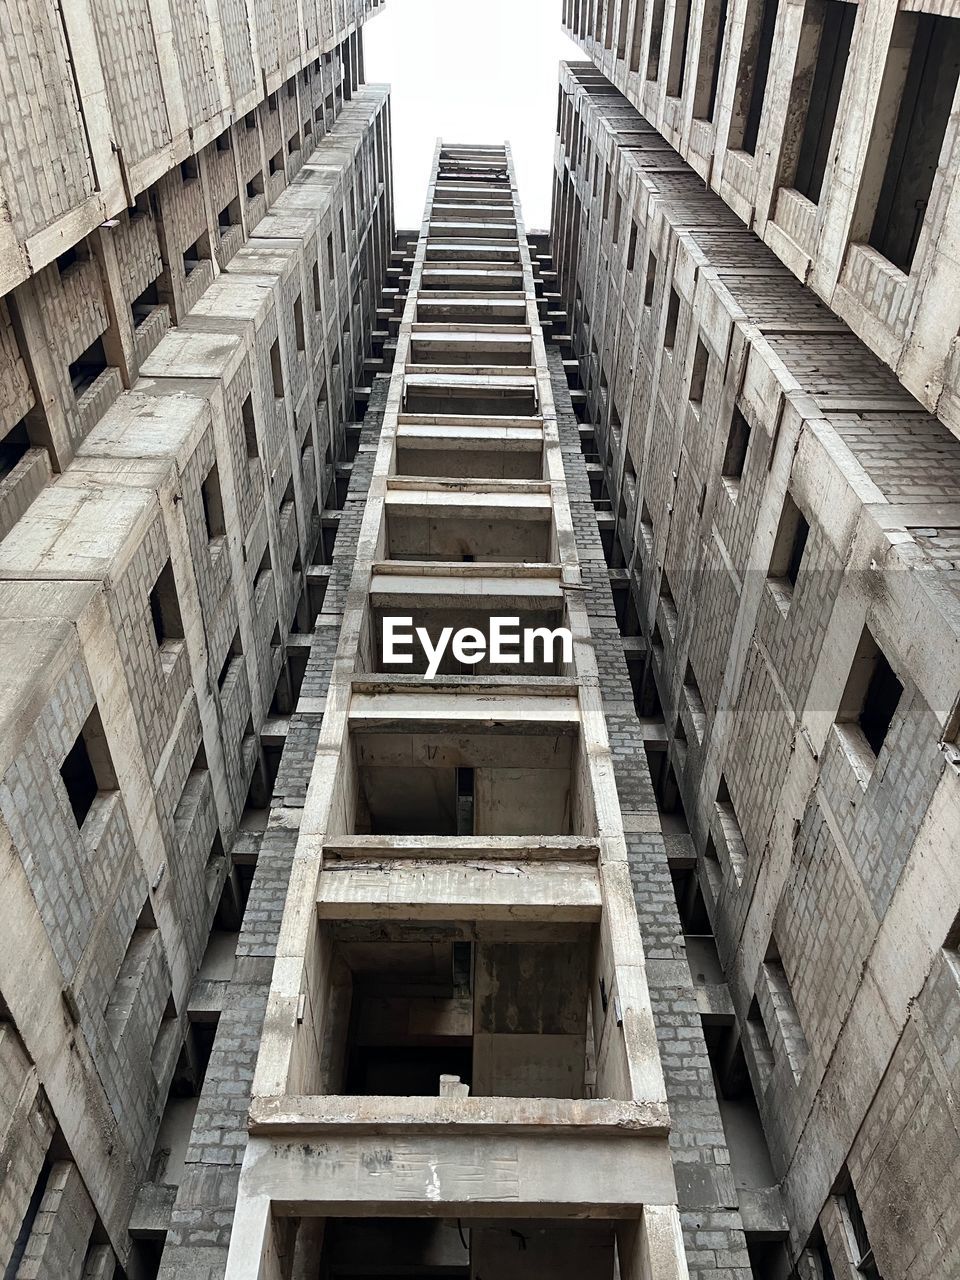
(276, 370)
(212, 504)
(235, 651)
(651, 281)
(87, 367)
(88, 768)
(789, 546)
(229, 215)
(698, 374)
(735, 453)
(165, 608)
(249, 428)
(632, 249)
(680, 39)
(871, 696)
(656, 38)
(673, 315)
(298, 323)
(760, 24)
(196, 253)
(922, 115)
(837, 19)
(143, 306)
(861, 1248)
(710, 60)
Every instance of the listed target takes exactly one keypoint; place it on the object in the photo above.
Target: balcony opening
(504, 534)
(457, 1249)
(750, 1161)
(196, 253)
(144, 304)
(673, 818)
(412, 784)
(87, 367)
(547, 655)
(456, 1008)
(470, 455)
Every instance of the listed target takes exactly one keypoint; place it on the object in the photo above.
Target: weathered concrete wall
(732, 415)
(694, 68)
(123, 92)
(148, 593)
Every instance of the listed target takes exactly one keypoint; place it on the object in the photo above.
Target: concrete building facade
(627, 949)
(777, 512)
(830, 129)
(199, 227)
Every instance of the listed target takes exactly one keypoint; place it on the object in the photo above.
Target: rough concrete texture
(634, 962)
(174, 443)
(776, 514)
(825, 130)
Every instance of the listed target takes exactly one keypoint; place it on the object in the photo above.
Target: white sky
(470, 71)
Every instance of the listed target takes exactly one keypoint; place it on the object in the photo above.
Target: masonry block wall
(123, 93)
(181, 353)
(778, 516)
(829, 128)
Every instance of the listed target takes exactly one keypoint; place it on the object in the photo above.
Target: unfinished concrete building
(629, 958)
(777, 503)
(459, 1066)
(198, 225)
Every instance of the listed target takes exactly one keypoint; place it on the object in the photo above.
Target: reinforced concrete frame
(540, 853)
